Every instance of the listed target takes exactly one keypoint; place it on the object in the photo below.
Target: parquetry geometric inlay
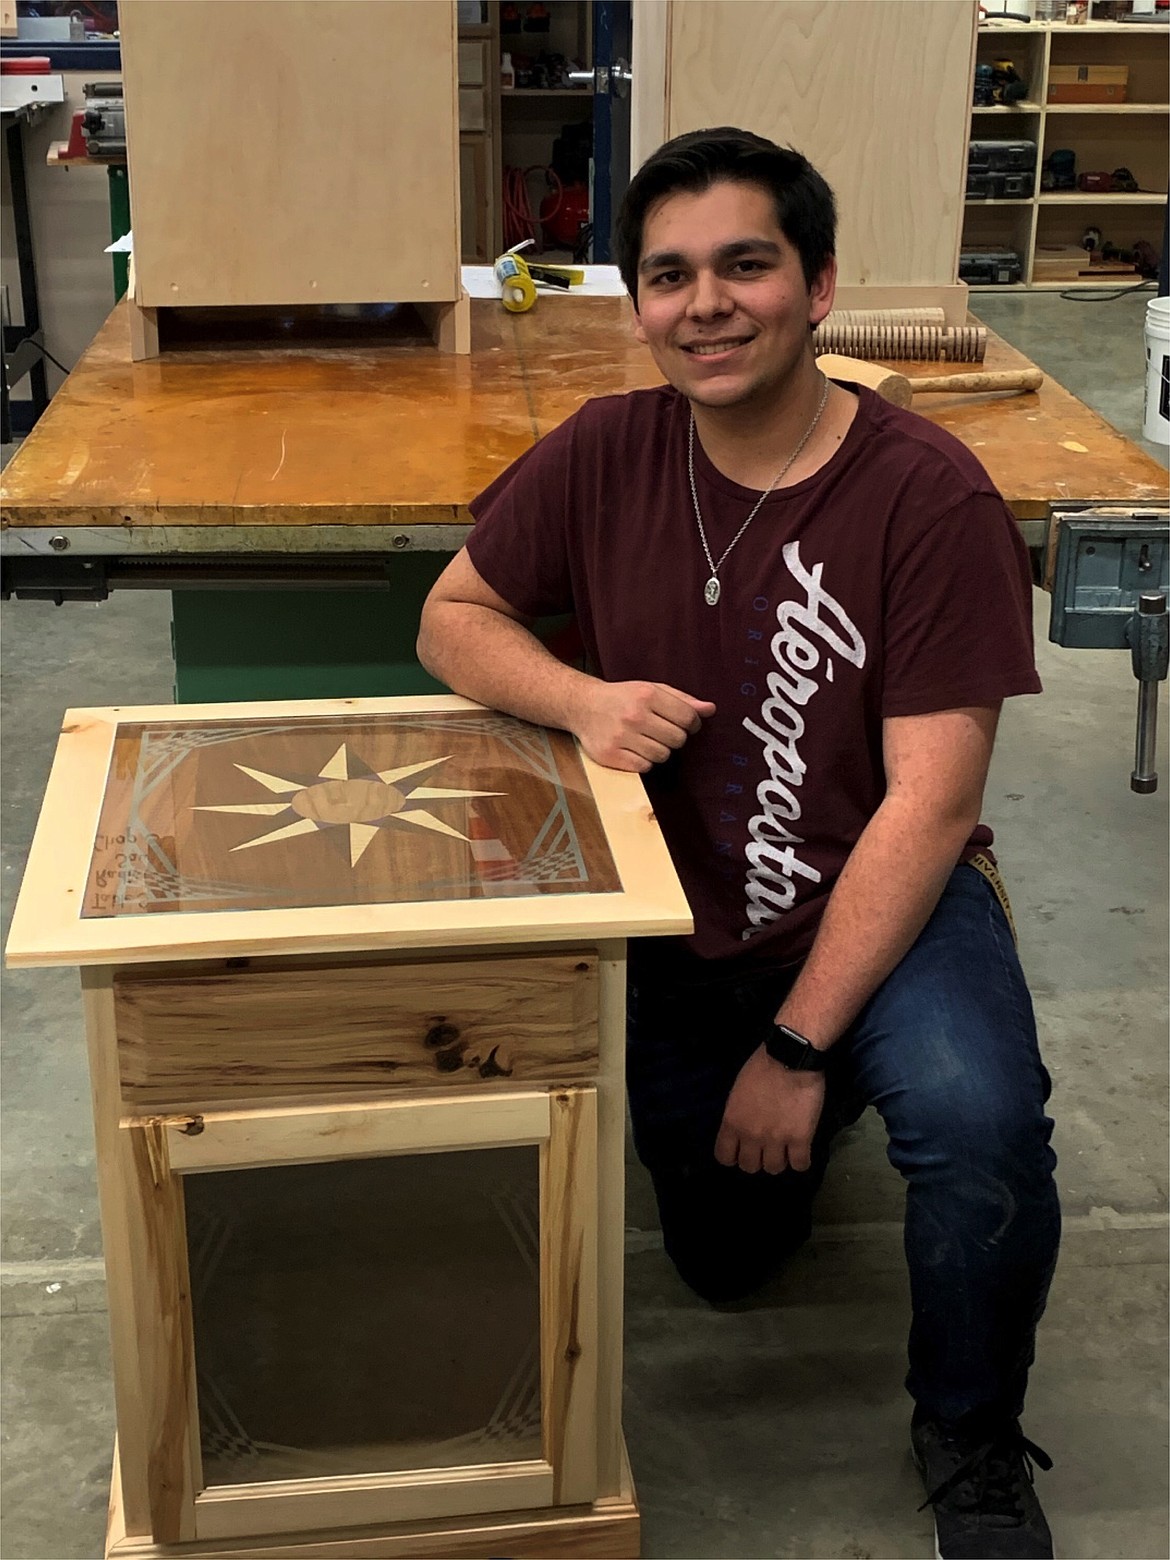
(324, 810)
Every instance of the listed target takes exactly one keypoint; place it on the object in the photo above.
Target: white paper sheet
(601, 281)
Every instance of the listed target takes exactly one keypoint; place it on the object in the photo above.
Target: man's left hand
(770, 1117)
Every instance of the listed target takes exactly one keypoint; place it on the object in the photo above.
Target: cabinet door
(367, 1314)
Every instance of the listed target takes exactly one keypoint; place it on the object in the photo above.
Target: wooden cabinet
(1045, 229)
(291, 154)
(354, 999)
(876, 96)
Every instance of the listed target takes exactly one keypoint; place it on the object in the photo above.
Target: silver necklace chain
(711, 590)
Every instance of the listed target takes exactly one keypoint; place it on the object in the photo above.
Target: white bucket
(1157, 423)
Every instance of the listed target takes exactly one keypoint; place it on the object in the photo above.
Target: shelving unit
(480, 192)
(1104, 136)
(514, 127)
(533, 117)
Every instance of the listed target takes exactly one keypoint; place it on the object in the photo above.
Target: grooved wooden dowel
(839, 317)
(904, 339)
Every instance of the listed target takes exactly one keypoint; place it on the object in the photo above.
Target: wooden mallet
(899, 389)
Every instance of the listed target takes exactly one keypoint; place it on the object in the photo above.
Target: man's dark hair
(805, 208)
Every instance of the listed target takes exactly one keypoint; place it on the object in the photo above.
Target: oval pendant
(711, 593)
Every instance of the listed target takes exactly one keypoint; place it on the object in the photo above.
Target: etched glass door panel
(366, 1315)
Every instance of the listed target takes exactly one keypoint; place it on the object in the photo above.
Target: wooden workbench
(224, 465)
(397, 434)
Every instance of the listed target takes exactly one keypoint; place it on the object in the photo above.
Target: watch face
(793, 1051)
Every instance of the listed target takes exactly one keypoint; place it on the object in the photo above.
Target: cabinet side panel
(292, 153)
(142, 1216)
(894, 159)
(113, 1162)
(650, 91)
(611, 1214)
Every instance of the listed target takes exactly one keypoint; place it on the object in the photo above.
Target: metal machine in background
(103, 122)
(98, 131)
(1109, 573)
(28, 89)
(97, 135)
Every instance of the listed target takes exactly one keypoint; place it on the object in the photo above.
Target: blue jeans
(946, 1051)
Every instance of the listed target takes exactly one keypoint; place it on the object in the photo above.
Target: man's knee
(998, 1133)
(726, 1232)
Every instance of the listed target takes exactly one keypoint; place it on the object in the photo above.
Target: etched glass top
(276, 813)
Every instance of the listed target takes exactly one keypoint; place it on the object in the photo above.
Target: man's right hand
(635, 725)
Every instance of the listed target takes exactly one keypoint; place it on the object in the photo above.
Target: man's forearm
(885, 895)
(493, 659)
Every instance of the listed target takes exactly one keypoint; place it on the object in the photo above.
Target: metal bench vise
(1108, 568)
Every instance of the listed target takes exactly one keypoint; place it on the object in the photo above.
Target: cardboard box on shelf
(1072, 263)
(1088, 83)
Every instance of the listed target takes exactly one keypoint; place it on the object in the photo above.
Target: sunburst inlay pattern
(346, 794)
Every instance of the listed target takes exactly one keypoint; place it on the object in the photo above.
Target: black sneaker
(978, 1478)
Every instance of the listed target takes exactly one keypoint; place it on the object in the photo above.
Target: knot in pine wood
(441, 1033)
(495, 1066)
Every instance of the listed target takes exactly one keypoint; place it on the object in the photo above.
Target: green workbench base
(119, 226)
(303, 644)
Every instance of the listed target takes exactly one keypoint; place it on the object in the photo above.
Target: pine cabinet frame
(441, 1003)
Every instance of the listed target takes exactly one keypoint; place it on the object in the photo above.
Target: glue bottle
(517, 289)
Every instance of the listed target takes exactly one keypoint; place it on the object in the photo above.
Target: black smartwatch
(793, 1051)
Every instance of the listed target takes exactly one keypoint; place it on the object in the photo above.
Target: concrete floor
(778, 1430)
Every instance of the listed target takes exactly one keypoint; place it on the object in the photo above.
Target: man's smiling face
(722, 300)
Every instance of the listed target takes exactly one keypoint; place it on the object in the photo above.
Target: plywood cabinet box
(354, 977)
(293, 154)
(895, 158)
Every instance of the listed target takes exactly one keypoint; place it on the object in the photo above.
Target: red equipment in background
(563, 211)
(563, 214)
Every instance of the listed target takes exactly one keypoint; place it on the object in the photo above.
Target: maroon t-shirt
(891, 582)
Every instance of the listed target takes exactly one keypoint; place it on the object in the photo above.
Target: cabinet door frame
(161, 1152)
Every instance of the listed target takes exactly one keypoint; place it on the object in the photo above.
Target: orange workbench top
(393, 433)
